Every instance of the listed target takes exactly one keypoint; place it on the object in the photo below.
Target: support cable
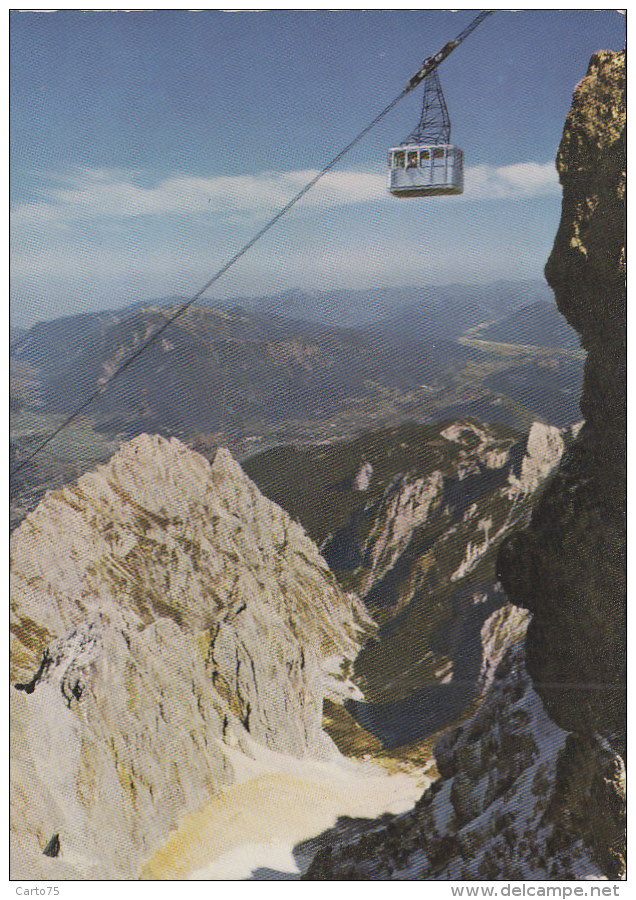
(427, 66)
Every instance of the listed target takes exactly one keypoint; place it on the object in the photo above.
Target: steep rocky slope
(427, 575)
(411, 519)
(519, 797)
(497, 811)
(161, 610)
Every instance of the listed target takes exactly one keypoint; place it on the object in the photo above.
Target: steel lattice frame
(434, 126)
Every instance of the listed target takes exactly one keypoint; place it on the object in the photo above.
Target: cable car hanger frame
(426, 164)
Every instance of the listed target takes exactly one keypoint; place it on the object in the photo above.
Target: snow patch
(363, 479)
(239, 862)
(276, 802)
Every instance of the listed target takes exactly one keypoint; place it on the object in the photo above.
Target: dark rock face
(568, 566)
(53, 847)
(590, 776)
(513, 797)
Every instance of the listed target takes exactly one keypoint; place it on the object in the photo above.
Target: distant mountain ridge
(406, 315)
(448, 312)
(52, 346)
(540, 325)
(212, 367)
(252, 375)
(380, 306)
(354, 308)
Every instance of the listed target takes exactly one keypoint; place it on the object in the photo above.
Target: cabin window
(398, 160)
(439, 157)
(425, 156)
(412, 159)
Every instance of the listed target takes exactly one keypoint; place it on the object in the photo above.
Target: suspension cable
(427, 66)
(432, 62)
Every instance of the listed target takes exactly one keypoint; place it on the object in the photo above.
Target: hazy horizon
(285, 293)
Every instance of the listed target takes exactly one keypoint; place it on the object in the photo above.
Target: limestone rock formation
(426, 560)
(568, 567)
(544, 450)
(405, 507)
(162, 609)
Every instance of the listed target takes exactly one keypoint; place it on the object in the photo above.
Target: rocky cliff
(164, 616)
(533, 784)
(410, 518)
(568, 566)
(423, 562)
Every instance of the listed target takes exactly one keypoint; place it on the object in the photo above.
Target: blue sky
(147, 147)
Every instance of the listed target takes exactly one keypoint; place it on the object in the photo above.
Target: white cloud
(92, 194)
(516, 182)
(97, 194)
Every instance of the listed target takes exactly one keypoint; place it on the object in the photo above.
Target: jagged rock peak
(544, 449)
(161, 609)
(587, 266)
(214, 541)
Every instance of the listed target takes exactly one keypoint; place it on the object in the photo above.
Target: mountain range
(445, 311)
(212, 367)
(215, 367)
(182, 651)
(410, 519)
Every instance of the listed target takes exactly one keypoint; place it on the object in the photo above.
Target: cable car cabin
(426, 170)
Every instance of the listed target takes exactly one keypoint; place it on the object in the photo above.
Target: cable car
(426, 170)
(427, 164)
